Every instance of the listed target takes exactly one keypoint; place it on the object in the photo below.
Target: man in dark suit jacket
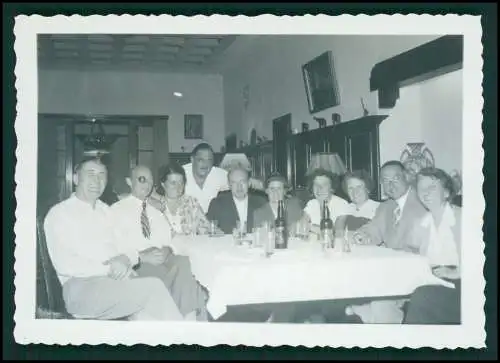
(394, 220)
(238, 205)
(276, 186)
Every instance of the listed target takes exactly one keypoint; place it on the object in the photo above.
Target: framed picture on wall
(193, 126)
(321, 84)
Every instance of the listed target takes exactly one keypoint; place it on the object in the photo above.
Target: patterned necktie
(146, 229)
(397, 215)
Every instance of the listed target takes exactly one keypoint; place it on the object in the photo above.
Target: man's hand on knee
(120, 267)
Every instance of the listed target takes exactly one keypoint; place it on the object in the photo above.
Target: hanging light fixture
(98, 143)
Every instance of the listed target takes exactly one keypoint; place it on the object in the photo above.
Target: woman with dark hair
(358, 186)
(182, 211)
(439, 237)
(323, 183)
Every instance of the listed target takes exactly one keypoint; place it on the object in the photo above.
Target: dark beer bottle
(326, 226)
(280, 230)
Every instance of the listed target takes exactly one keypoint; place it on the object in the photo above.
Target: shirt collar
(240, 202)
(135, 199)
(82, 203)
(189, 167)
(402, 200)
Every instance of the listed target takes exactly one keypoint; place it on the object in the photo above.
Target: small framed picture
(193, 126)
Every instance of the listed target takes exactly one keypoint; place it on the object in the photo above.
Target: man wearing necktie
(392, 227)
(147, 231)
(393, 223)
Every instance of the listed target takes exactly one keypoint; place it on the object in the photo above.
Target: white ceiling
(133, 52)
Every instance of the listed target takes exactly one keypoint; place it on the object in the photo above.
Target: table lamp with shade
(327, 161)
(331, 162)
(239, 159)
(232, 159)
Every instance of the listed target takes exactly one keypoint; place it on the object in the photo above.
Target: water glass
(237, 236)
(213, 228)
(191, 225)
(256, 237)
(302, 229)
(268, 242)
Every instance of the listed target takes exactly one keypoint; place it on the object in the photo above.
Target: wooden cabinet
(356, 142)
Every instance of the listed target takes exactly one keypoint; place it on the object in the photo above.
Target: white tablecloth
(239, 275)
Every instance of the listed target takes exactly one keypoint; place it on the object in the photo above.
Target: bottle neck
(326, 211)
(280, 213)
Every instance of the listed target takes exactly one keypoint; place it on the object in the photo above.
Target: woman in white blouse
(358, 186)
(440, 235)
(323, 184)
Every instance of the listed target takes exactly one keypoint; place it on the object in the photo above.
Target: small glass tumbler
(346, 242)
(213, 228)
(237, 236)
(302, 229)
(268, 242)
(256, 237)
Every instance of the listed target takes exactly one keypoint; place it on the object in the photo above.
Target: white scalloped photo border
(471, 333)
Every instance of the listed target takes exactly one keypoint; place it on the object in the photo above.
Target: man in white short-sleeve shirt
(204, 180)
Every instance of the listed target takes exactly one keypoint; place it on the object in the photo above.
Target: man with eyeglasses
(144, 229)
(392, 226)
(395, 217)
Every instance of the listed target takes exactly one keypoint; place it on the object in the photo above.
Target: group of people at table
(121, 261)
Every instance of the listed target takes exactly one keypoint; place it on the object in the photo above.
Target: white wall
(138, 93)
(442, 118)
(271, 68)
(429, 112)
(403, 125)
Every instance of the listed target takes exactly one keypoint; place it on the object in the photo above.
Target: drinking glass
(191, 225)
(302, 229)
(213, 228)
(256, 237)
(237, 236)
(347, 241)
(239, 232)
(268, 242)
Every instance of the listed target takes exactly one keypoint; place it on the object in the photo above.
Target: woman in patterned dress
(183, 212)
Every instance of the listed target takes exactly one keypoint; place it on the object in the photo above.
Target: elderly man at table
(392, 226)
(94, 269)
(276, 186)
(204, 180)
(229, 209)
(394, 219)
(146, 230)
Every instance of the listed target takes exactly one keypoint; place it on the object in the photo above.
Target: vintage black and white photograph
(189, 181)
